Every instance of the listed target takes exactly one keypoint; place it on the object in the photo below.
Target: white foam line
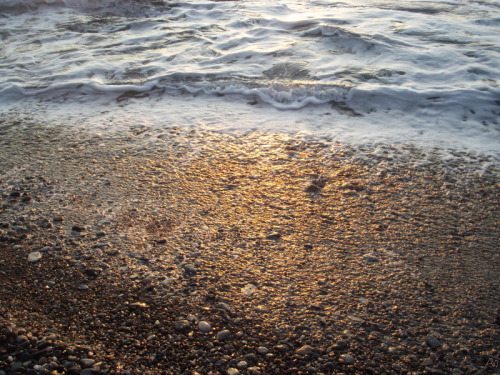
(148, 86)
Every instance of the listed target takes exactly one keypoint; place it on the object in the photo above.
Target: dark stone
(21, 338)
(223, 335)
(329, 366)
(313, 188)
(149, 288)
(317, 184)
(433, 342)
(87, 362)
(42, 344)
(281, 347)
(92, 272)
(74, 370)
(433, 371)
(92, 371)
(340, 345)
(274, 236)
(17, 367)
(252, 358)
(23, 357)
(182, 325)
(41, 353)
(69, 364)
(189, 269)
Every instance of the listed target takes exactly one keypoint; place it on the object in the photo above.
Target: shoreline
(303, 256)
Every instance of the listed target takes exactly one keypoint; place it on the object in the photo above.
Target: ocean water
(394, 71)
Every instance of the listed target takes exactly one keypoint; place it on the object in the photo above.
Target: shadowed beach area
(194, 252)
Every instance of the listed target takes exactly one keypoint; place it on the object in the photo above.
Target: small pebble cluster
(24, 353)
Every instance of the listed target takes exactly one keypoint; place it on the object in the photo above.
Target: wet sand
(301, 256)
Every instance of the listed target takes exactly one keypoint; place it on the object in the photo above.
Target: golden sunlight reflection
(269, 209)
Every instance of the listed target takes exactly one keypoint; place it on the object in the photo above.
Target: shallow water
(422, 72)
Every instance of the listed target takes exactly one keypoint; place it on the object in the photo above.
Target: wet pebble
(87, 362)
(251, 358)
(329, 366)
(370, 258)
(262, 350)
(49, 283)
(190, 269)
(34, 257)
(340, 345)
(204, 327)
(253, 370)
(21, 339)
(242, 365)
(77, 228)
(182, 325)
(28, 354)
(347, 359)
(304, 350)
(223, 335)
(432, 342)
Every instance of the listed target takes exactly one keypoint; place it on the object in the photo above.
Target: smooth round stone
(262, 350)
(204, 327)
(347, 359)
(87, 362)
(232, 371)
(34, 257)
(223, 335)
(242, 364)
(304, 350)
(340, 345)
(251, 358)
(433, 342)
(82, 287)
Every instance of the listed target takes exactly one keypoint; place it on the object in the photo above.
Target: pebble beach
(179, 251)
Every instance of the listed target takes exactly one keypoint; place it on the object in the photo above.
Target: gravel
(202, 253)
